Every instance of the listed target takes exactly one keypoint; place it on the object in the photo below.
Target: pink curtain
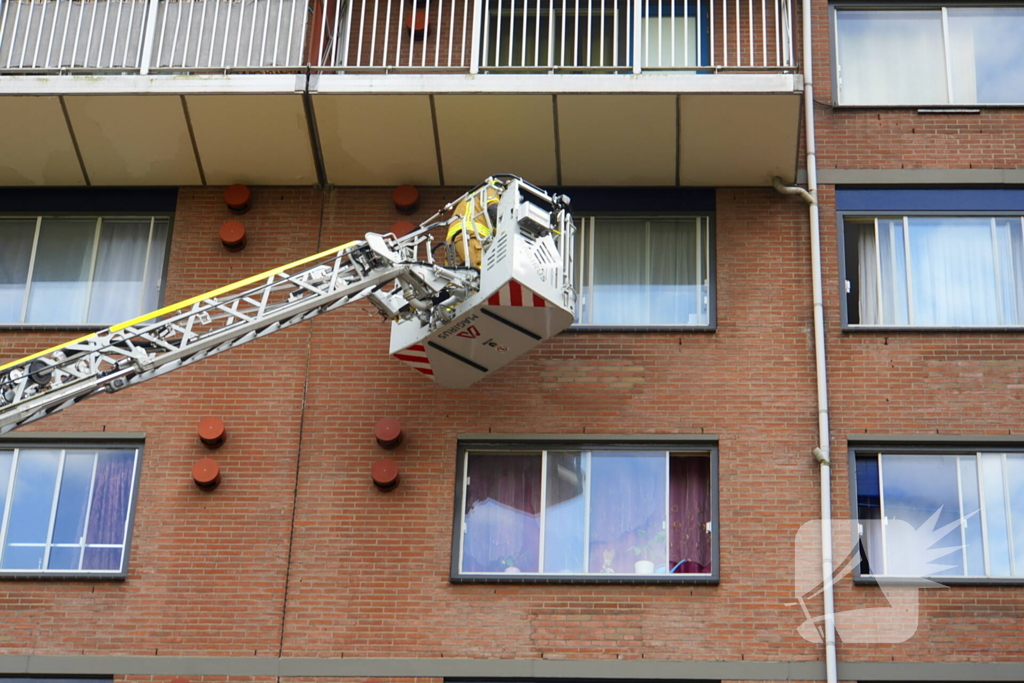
(690, 510)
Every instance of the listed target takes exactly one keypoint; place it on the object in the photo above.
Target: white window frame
(587, 225)
(161, 278)
(18, 447)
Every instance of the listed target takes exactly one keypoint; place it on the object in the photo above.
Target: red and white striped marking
(416, 356)
(514, 294)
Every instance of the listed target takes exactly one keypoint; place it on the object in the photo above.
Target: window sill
(585, 329)
(893, 329)
(605, 579)
(907, 581)
(30, 327)
(19, 575)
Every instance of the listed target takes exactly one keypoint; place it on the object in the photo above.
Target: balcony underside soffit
(620, 139)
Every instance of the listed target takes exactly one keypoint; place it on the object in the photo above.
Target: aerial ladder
(453, 322)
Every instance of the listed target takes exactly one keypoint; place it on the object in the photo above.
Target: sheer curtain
(891, 57)
(987, 54)
(120, 266)
(15, 252)
(109, 511)
(60, 275)
(627, 510)
(502, 513)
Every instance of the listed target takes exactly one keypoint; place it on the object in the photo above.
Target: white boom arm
(162, 341)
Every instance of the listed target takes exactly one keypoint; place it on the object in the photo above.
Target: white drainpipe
(821, 452)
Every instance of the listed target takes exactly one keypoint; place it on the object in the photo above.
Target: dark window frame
(82, 441)
(93, 214)
(844, 274)
(926, 446)
(681, 444)
(712, 274)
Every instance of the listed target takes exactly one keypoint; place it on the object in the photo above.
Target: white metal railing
(410, 34)
(544, 35)
(140, 36)
(144, 35)
(60, 34)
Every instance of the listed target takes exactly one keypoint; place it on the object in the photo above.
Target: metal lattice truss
(184, 333)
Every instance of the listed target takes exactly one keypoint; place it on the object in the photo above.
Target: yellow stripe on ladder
(187, 302)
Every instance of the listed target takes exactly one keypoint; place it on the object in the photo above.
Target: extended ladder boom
(425, 293)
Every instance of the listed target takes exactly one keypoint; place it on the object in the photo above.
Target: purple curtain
(502, 514)
(111, 493)
(689, 497)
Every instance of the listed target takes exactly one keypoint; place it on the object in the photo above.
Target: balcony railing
(194, 36)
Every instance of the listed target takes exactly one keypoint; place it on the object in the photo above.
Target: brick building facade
(296, 569)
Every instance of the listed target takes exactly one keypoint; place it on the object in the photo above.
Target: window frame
(582, 217)
(923, 446)
(833, 34)
(79, 441)
(700, 443)
(99, 216)
(886, 212)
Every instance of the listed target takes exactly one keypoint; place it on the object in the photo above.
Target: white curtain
(962, 271)
(15, 252)
(987, 54)
(647, 272)
(891, 57)
(60, 276)
(120, 267)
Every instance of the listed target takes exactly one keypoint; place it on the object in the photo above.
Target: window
(944, 514)
(66, 510)
(567, 511)
(930, 55)
(643, 271)
(935, 270)
(76, 270)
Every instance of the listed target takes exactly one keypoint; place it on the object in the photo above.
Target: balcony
(378, 92)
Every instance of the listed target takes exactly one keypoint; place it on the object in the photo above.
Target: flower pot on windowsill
(512, 570)
(643, 567)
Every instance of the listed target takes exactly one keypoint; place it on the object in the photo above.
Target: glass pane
(973, 533)
(6, 461)
(891, 57)
(34, 482)
(110, 497)
(24, 557)
(102, 558)
(987, 54)
(1004, 262)
(669, 40)
(565, 514)
(502, 531)
(120, 267)
(627, 513)
(15, 253)
(996, 518)
(1015, 481)
(675, 295)
(689, 499)
(620, 273)
(869, 516)
(153, 290)
(69, 526)
(60, 277)
(952, 271)
(64, 558)
(922, 511)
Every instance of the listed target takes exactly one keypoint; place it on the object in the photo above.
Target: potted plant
(509, 563)
(644, 544)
